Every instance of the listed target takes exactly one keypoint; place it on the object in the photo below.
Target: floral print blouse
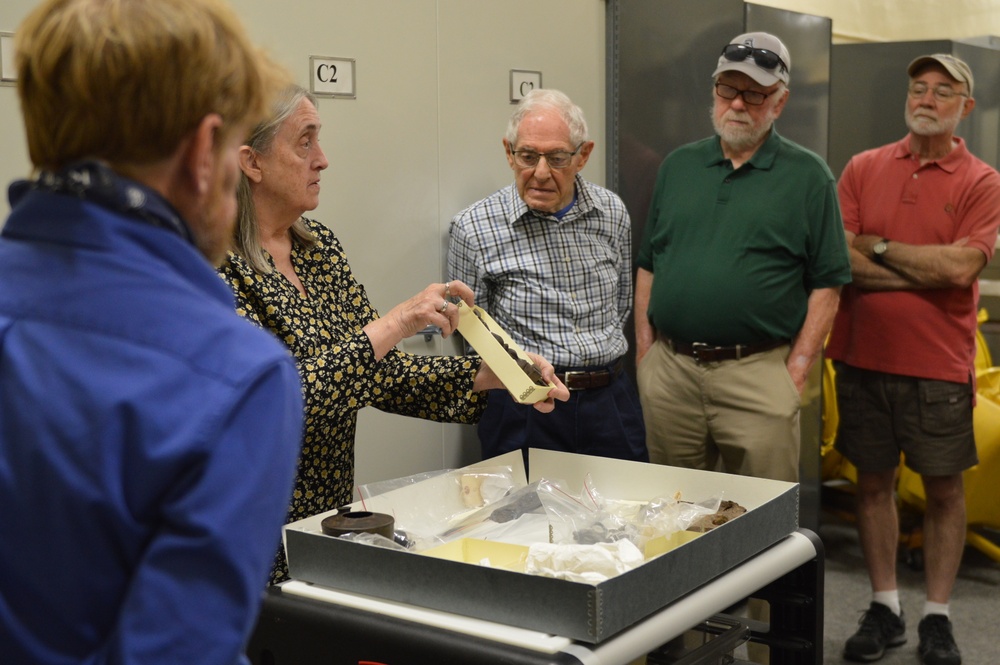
(340, 374)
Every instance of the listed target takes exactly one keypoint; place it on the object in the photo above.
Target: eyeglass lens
(762, 57)
(556, 160)
(752, 97)
(941, 93)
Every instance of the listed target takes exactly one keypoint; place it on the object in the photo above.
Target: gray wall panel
(666, 51)
(981, 129)
(805, 119)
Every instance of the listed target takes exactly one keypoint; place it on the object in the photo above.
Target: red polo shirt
(886, 192)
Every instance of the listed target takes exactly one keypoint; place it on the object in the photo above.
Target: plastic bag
(375, 540)
(590, 518)
(425, 504)
(514, 504)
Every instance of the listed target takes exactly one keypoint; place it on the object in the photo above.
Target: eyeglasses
(751, 97)
(761, 56)
(942, 93)
(528, 159)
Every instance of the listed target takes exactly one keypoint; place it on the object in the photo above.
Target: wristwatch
(879, 249)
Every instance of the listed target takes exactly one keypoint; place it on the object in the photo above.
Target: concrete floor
(975, 604)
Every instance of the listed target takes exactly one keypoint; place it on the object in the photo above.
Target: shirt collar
(763, 158)
(948, 163)
(95, 182)
(585, 202)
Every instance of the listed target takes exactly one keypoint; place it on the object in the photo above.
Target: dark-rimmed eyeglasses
(751, 97)
(942, 93)
(762, 57)
(560, 159)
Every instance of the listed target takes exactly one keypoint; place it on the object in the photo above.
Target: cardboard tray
(476, 326)
(586, 612)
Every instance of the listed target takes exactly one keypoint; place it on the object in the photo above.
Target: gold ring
(447, 290)
(444, 306)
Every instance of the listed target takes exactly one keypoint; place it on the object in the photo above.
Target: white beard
(744, 136)
(923, 125)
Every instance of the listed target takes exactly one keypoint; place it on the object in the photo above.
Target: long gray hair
(247, 241)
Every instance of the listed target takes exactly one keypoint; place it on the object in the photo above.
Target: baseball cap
(759, 55)
(956, 68)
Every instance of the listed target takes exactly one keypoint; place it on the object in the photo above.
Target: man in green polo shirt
(739, 277)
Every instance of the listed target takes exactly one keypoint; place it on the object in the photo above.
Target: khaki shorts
(883, 415)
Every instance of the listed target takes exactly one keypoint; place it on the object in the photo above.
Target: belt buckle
(699, 348)
(567, 375)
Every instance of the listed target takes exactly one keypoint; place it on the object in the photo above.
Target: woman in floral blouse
(291, 277)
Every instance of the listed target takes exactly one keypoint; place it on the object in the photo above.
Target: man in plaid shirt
(549, 257)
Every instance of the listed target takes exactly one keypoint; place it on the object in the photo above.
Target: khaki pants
(737, 416)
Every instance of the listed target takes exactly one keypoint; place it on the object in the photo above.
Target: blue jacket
(148, 439)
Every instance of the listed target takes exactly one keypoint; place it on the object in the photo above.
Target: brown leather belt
(585, 379)
(708, 353)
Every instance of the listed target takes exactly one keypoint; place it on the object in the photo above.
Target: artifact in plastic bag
(442, 498)
(591, 518)
(727, 510)
(515, 504)
(485, 486)
(668, 514)
(580, 519)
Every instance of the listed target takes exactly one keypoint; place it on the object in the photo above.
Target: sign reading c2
(326, 73)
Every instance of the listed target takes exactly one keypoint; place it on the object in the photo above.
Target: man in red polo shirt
(921, 216)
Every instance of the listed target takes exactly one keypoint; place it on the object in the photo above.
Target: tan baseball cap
(759, 55)
(956, 68)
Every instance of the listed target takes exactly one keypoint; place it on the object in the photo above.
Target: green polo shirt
(735, 254)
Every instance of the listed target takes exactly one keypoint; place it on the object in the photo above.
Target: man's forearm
(808, 344)
(644, 333)
(914, 267)
(868, 275)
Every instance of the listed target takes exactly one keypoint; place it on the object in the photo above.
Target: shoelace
(937, 634)
(874, 622)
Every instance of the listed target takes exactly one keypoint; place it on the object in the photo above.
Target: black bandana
(96, 182)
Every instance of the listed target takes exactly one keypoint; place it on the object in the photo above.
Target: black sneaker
(937, 646)
(879, 628)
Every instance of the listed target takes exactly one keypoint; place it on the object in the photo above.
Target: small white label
(522, 82)
(332, 77)
(8, 73)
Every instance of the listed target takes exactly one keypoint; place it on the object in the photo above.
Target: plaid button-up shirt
(561, 288)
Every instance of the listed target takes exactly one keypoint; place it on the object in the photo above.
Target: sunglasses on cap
(761, 56)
